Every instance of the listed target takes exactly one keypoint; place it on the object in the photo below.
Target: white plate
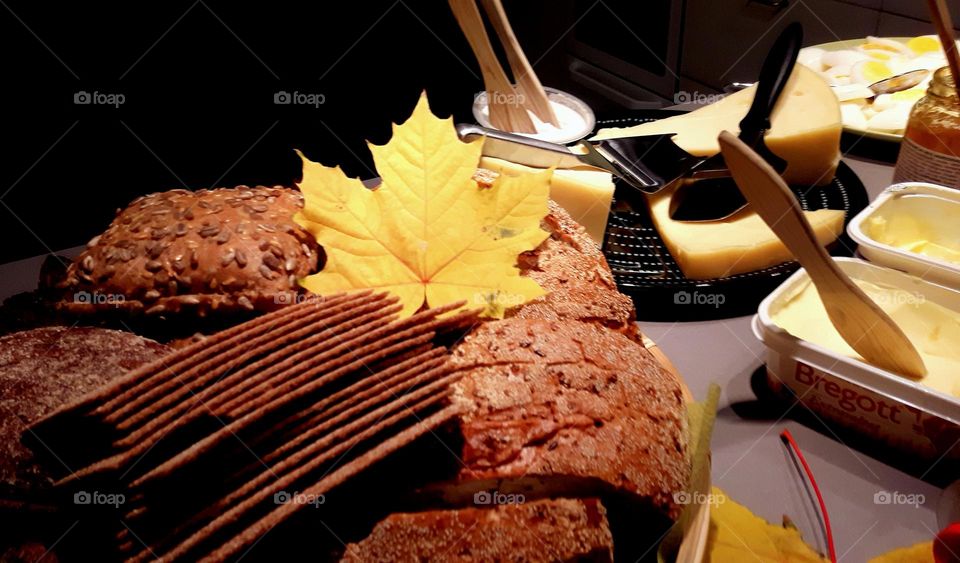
(850, 44)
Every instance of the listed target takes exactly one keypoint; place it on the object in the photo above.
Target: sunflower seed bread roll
(221, 250)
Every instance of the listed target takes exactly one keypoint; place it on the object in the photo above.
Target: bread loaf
(45, 368)
(546, 530)
(234, 249)
(569, 408)
(576, 276)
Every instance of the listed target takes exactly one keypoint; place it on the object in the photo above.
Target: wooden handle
(523, 73)
(504, 116)
(860, 321)
(776, 205)
(940, 15)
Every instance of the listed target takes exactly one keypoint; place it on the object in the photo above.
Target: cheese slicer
(861, 323)
(698, 200)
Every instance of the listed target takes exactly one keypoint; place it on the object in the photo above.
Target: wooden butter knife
(864, 325)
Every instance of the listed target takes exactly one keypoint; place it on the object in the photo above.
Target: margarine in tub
(807, 356)
(914, 227)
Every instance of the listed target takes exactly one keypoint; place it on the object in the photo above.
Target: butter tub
(898, 411)
(918, 211)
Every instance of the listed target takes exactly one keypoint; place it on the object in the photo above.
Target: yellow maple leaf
(918, 553)
(736, 534)
(429, 233)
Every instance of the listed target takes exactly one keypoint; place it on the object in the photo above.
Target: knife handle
(469, 132)
(520, 149)
(774, 74)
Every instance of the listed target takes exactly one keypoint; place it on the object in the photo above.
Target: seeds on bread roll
(228, 249)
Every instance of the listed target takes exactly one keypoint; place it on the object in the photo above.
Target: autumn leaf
(429, 233)
(736, 534)
(918, 553)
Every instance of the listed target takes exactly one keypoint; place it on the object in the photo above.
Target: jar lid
(942, 84)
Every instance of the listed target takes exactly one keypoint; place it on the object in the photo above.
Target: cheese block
(741, 243)
(805, 127)
(584, 193)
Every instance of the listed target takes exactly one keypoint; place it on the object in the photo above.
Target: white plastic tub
(937, 208)
(901, 412)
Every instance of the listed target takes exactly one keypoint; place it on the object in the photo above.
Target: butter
(932, 328)
(805, 127)
(585, 194)
(738, 244)
(918, 223)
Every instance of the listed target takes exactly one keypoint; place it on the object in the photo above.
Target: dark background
(199, 80)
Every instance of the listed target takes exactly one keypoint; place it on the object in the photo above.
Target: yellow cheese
(805, 127)
(585, 193)
(741, 243)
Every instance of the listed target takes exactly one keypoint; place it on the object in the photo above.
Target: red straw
(823, 507)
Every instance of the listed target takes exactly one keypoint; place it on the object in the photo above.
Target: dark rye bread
(545, 530)
(223, 250)
(568, 408)
(580, 286)
(45, 368)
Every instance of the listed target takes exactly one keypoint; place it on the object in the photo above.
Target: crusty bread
(45, 368)
(570, 266)
(568, 408)
(234, 249)
(576, 275)
(546, 530)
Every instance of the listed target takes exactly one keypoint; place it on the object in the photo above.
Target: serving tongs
(716, 196)
(647, 163)
(650, 163)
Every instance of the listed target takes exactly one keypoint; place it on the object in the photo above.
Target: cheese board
(644, 268)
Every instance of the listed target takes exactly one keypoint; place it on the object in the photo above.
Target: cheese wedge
(584, 193)
(805, 127)
(741, 243)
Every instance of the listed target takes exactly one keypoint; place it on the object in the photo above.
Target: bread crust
(546, 530)
(580, 285)
(570, 406)
(227, 249)
(45, 368)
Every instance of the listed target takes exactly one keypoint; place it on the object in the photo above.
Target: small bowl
(552, 134)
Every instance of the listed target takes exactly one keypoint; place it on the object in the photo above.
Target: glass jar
(930, 151)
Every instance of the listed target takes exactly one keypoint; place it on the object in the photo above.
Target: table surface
(750, 461)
